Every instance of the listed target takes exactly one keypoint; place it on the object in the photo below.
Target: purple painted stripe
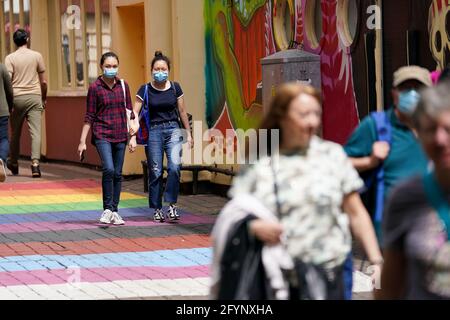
(64, 226)
(90, 275)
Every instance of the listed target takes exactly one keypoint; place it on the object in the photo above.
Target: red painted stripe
(99, 246)
(92, 275)
(73, 184)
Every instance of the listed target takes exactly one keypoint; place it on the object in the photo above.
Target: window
(14, 14)
(84, 34)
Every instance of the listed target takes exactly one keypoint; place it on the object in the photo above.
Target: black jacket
(242, 271)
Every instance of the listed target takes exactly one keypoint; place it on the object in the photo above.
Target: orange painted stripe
(50, 192)
(50, 185)
(111, 245)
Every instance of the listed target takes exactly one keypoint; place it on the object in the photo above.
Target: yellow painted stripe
(58, 199)
(45, 192)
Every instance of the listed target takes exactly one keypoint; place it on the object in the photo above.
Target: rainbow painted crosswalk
(52, 246)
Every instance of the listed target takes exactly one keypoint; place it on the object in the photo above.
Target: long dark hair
(160, 57)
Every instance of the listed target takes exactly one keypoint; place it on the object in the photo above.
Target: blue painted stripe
(162, 258)
(73, 216)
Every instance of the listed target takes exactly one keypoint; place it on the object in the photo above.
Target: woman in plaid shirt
(106, 115)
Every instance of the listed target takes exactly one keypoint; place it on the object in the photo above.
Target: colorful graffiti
(239, 33)
(439, 29)
(235, 43)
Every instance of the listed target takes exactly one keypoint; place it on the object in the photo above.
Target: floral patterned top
(311, 188)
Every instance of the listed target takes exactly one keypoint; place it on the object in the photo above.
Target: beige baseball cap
(412, 73)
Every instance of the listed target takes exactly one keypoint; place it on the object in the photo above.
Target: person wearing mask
(6, 105)
(417, 218)
(27, 70)
(107, 101)
(167, 114)
(312, 189)
(386, 141)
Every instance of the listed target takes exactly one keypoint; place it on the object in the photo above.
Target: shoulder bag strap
(122, 84)
(275, 189)
(384, 133)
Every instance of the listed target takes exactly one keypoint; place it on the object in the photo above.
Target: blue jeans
(348, 276)
(112, 156)
(163, 138)
(4, 140)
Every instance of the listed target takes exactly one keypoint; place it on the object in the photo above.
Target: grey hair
(433, 101)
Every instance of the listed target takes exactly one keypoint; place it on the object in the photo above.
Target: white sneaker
(2, 171)
(106, 216)
(173, 213)
(117, 219)
(158, 216)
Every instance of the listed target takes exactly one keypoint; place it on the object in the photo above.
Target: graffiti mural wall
(240, 33)
(439, 29)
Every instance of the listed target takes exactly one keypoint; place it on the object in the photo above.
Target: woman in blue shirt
(165, 102)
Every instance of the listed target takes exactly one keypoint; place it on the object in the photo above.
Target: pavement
(53, 248)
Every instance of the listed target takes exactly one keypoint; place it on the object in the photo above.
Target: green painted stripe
(81, 206)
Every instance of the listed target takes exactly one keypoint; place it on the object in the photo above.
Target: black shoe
(35, 171)
(13, 167)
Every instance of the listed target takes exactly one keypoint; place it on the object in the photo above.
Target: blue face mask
(160, 76)
(408, 101)
(110, 73)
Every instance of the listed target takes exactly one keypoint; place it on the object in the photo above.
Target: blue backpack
(375, 180)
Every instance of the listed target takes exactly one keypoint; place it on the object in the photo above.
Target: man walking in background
(26, 68)
(6, 104)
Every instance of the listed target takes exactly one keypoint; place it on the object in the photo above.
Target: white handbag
(131, 122)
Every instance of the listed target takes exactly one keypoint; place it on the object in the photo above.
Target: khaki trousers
(27, 107)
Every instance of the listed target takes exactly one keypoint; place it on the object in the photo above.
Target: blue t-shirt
(406, 157)
(161, 104)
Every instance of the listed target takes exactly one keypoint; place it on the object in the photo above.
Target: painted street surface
(52, 246)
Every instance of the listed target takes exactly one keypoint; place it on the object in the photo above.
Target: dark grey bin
(286, 66)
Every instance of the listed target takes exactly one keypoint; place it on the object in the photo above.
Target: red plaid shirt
(106, 111)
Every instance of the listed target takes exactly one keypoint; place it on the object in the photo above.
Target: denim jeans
(112, 156)
(4, 140)
(163, 138)
(348, 276)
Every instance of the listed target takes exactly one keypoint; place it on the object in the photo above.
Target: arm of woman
(362, 227)
(84, 132)
(267, 231)
(136, 109)
(185, 120)
(89, 118)
(393, 276)
(134, 125)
